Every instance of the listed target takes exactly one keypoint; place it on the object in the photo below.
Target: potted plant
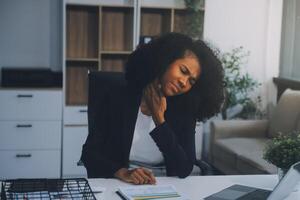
(283, 151)
(238, 84)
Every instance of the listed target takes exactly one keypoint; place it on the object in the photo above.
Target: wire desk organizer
(27, 189)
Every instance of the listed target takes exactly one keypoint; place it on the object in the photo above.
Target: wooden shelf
(113, 62)
(180, 20)
(155, 21)
(100, 37)
(116, 52)
(77, 82)
(82, 59)
(116, 28)
(82, 31)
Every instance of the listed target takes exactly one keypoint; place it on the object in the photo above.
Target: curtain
(290, 41)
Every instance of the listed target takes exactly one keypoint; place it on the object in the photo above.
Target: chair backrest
(286, 114)
(99, 85)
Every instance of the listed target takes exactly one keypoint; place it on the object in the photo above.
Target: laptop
(242, 192)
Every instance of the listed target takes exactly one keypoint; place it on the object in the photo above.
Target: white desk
(194, 187)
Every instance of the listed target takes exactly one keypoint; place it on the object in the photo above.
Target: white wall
(30, 33)
(253, 24)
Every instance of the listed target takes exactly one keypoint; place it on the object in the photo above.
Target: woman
(170, 83)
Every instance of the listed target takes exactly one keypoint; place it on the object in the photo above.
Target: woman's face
(181, 75)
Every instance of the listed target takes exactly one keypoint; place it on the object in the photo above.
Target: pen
(120, 195)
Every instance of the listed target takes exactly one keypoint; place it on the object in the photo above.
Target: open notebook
(145, 192)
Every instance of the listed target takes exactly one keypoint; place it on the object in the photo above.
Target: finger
(147, 180)
(151, 178)
(134, 180)
(153, 97)
(154, 93)
(158, 88)
(147, 94)
(151, 175)
(158, 91)
(138, 177)
(164, 103)
(155, 88)
(147, 90)
(149, 98)
(156, 83)
(146, 177)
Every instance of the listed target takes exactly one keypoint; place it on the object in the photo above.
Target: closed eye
(184, 70)
(192, 81)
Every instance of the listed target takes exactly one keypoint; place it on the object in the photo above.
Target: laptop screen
(287, 183)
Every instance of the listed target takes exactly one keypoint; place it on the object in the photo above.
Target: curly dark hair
(150, 61)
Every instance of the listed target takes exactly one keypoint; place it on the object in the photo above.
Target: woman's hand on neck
(144, 108)
(154, 103)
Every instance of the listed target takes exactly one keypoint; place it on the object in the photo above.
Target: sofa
(237, 146)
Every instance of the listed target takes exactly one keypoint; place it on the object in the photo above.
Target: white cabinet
(30, 105)
(30, 164)
(74, 138)
(17, 135)
(30, 133)
(75, 115)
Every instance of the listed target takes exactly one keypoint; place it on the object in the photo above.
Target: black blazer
(112, 114)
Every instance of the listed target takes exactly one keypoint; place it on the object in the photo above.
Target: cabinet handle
(24, 126)
(79, 163)
(83, 111)
(24, 95)
(23, 155)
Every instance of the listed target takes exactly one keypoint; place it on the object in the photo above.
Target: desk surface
(194, 187)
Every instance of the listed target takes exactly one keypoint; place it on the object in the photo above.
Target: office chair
(98, 81)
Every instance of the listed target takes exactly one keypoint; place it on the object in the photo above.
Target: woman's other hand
(137, 176)
(155, 102)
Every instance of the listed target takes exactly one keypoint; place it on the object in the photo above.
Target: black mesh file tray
(27, 189)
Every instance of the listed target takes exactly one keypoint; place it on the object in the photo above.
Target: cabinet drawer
(75, 115)
(30, 105)
(73, 139)
(29, 164)
(17, 135)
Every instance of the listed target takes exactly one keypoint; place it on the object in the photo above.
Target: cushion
(284, 118)
(248, 151)
(246, 166)
(221, 153)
